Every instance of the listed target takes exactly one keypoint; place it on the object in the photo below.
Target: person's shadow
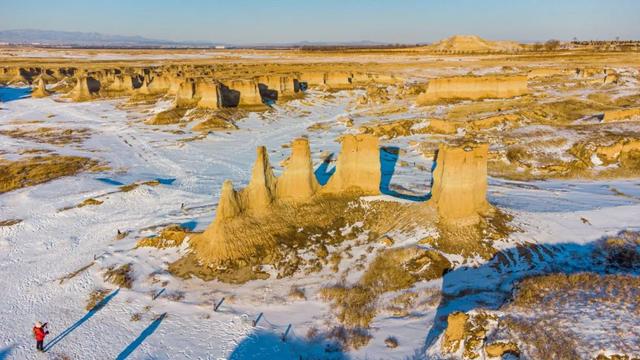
(140, 339)
(78, 323)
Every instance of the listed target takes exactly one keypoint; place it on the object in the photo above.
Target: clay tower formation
(358, 166)
(459, 190)
(298, 182)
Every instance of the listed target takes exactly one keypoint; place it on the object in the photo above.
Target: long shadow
(323, 173)
(388, 160)
(4, 353)
(267, 345)
(189, 225)
(110, 181)
(14, 93)
(491, 285)
(141, 338)
(78, 323)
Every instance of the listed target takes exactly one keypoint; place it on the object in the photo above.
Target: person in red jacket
(39, 332)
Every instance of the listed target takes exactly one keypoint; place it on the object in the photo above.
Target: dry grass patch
(40, 169)
(95, 298)
(564, 111)
(10, 222)
(133, 186)
(170, 236)
(349, 338)
(120, 276)
(167, 117)
(73, 274)
(393, 269)
(54, 136)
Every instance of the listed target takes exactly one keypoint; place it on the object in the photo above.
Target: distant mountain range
(72, 38)
(84, 39)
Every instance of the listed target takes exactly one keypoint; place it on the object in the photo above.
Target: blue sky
(272, 21)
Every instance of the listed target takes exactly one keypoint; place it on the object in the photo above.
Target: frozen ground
(49, 244)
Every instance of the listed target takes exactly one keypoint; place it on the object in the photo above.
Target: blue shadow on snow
(167, 181)
(141, 338)
(78, 323)
(110, 181)
(268, 345)
(190, 225)
(14, 93)
(4, 353)
(323, 173)
(388, 160)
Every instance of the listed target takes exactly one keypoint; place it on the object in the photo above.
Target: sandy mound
(473, 43)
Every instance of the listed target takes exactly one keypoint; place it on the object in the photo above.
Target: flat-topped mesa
(339, 79)
(258, 196)
(284, 86)
(242, 93)
(121, 83)
(40, 88)
(158, 84)
(208, 94)
(357, 167)
(314, 78)
(474, 88)
(362, 78)
(628, 114)
(459, 190)
(298, 182)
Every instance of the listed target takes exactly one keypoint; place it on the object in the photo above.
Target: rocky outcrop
(121, 83)
(474, 88)
(459, 190)
(545, 72)
(499, 348)
(186, 94)
(314, 78)
(158, 84)
(338, 79)
(455, 333)
(610, 78)
(208, 95)
(630, 114)
(283, 85)
(40, 89)
(357, 167)
(218, 241)
(589, 72)
(81, 90)
(612, 153)
(248, 92)
(297, 183)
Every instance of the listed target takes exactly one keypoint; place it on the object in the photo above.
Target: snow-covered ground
(49, 244)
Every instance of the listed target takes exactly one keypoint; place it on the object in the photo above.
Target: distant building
(219, 47)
